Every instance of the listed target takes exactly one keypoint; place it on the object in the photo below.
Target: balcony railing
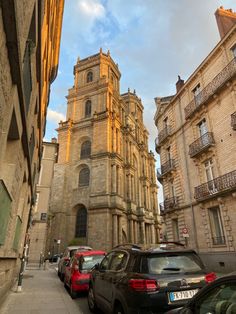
(218, 240)
(159, 175)
(168, 204)
(219, 80)
(219, 185)
(201, 144)
(157, 145)
(167, 166)
(164, 133)
(233, 120)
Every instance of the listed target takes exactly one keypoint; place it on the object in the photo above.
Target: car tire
(73, 293)
(59, 274)
(91, 301)
(62, 277)
(118, 309)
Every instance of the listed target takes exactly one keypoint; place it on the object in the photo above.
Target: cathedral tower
(104, 190)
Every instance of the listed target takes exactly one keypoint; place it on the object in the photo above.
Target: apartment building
(29, 51)
(197, 146)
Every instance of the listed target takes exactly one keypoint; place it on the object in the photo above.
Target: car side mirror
(97, 266)
(67, 263)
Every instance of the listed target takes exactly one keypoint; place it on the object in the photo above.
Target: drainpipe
(188, 180)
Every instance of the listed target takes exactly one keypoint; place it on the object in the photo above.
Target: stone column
(115, 230)
(153, 240)
(113, 179)
(143, 236)
(119, 230)
(131, 231)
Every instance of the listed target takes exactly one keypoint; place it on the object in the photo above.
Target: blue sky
(153, 41)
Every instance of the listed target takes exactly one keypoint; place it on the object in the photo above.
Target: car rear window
(89, 261)
(173, 263)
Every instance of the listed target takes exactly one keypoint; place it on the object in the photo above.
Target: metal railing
(218, 240)
(233, 120)
(167, 166)
(216, 186)
(219, 80)
(203, 142)
(169, 203)
(164, 133)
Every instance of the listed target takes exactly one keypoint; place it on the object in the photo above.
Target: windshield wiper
(171, 268)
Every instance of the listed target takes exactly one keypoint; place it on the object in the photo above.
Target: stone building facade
(104, 190)
(197, 146)
(29, 50)
(38, 230)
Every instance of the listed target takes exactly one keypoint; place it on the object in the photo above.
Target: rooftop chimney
(225, 19)
(179, 84)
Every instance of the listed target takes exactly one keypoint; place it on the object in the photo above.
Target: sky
(153, 41)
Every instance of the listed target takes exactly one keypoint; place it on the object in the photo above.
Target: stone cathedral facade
(104, 191)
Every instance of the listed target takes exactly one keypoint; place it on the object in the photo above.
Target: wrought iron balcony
(157, 145)
(218, 240)
(219, 185)
(233, 120)
(167, 166)
(218, 82)
(159, 175)
(168, 204)
(164, 134)
(201, 144)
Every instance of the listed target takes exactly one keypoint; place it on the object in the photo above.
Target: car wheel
(119, 309)
(59, 274)
(91, 300)
(73, 293)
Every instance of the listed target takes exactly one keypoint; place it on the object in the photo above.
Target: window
(81, 223)
(165, 122)
(216, 226)
(220, 299)
(89, 77)
(118, 261)
(106, 261)
(210, 176)
(175, 229)
(85, 150)
(197, 94)
(43, 216)
(5, 209)
(84, 177)
(168, 154)
(88, 106)
(202, 126)
(234, 51)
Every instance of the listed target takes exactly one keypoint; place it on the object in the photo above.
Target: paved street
(43, 293)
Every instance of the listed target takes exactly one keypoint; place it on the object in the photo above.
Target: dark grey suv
(130, 280)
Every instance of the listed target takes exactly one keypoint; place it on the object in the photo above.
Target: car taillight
(210, 277)
(143, 284)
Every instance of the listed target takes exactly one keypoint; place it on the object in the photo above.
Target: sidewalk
(42, 293)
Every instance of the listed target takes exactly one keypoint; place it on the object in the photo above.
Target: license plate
(182, 295)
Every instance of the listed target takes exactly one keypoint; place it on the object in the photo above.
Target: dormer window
(89, 77)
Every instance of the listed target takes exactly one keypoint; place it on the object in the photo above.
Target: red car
(77, 272)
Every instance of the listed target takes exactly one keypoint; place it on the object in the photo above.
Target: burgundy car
(77, 271)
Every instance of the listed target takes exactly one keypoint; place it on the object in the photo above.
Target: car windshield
(173, 263)
(90, 261)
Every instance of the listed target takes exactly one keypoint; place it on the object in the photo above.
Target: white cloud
(91, 8)
(55, 116)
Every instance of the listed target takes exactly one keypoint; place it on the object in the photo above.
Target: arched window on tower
(88, 106)
(84, 177)
(81, 223)
(89, 77)
(85, 150)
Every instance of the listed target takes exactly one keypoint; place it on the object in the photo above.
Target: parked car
(68, 253)
(219, 297)
(130, 280)
(77, 271)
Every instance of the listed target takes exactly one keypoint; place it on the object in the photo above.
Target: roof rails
(171, 242)
(128, 245)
